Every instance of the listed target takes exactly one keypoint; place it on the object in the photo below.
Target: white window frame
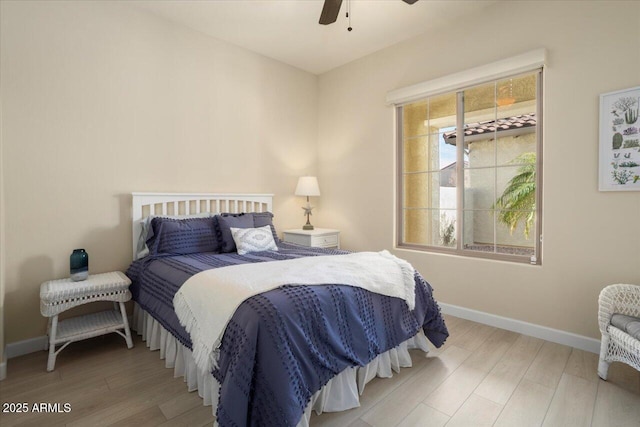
(531, 61)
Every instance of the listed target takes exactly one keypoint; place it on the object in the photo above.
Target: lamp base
(307, 227)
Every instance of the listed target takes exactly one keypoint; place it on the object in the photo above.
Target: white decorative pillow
(253, 239)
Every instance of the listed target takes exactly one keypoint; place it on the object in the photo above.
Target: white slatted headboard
(145, 204)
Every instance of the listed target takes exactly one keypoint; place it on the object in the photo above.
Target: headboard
(145, 204)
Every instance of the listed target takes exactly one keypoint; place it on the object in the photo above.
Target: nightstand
(57, 296)
(316, 238)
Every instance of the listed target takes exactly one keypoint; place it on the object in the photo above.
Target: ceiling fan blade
(410, 1)
(330, 11)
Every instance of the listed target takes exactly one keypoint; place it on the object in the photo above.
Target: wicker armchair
(618, 345)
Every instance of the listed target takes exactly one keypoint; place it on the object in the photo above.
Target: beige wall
(590, 237)
(99, 100)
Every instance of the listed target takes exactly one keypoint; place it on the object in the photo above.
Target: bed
(286, 351)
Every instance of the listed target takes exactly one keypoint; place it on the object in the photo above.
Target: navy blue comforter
(282, 346)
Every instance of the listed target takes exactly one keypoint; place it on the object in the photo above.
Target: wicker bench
(57, 296)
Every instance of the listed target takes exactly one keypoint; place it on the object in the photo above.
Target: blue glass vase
(79, 265)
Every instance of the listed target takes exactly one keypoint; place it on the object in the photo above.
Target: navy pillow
(183, 236)
(225, 221)
(260, 219)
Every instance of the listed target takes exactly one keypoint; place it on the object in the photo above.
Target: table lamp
(307, 186)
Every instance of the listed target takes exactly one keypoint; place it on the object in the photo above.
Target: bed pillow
(224, 223)
(146, 231)
(253, 239)
(260, 219)
(183, 236)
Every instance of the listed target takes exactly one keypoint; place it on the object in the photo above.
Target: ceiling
(288, 30)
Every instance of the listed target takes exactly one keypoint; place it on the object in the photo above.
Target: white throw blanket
(207, 301)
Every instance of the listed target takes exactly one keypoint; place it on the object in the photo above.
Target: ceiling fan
(331, 9)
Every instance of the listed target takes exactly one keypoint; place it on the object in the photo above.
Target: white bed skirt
(340, 393)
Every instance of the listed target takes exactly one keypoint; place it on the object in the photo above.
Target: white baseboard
(581, 342)
(20, 348)
(554, 335)
(31, 345)
(3, 370)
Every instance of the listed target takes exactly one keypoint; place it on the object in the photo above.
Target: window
(469, 175)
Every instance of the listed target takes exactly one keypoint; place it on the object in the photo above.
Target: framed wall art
(620, 140)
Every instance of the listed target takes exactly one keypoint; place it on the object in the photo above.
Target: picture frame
(619, 159)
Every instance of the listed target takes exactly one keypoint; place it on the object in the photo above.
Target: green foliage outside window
(518, 200)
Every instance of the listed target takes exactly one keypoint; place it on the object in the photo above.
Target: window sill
(465, 253)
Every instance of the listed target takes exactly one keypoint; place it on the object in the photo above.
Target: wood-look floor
(483, 376)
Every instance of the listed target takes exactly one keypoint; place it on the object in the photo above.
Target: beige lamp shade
(307, 186)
